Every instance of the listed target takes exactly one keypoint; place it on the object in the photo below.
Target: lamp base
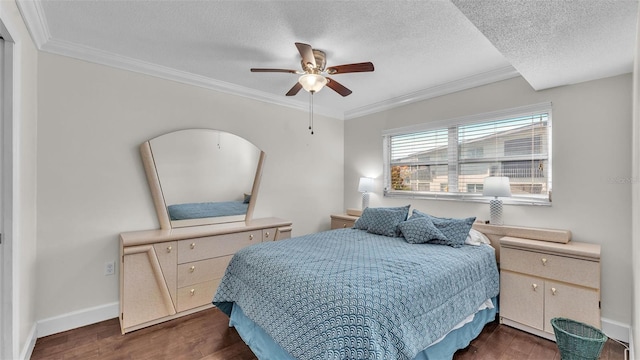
(365, 200)
(495, 215)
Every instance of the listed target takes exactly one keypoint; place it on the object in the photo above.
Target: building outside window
(450, 159)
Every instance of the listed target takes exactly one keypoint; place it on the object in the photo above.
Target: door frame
(8, 306)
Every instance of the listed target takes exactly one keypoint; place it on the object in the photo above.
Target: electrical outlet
(109, 268)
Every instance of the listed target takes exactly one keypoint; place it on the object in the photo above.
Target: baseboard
(77, 319)
(615, 329)
(30, 344)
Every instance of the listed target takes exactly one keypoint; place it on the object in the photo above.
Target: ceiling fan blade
(350, 68)
(307, 54)
(273, 70)
(294, 90)
(337, 87)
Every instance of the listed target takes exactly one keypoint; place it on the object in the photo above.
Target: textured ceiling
(554, 43)
(420, 49)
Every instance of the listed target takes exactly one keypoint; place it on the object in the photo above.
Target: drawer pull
(344, 226)
(169, 248)
(544, 261)
(266, 234)
(251, 237)
(193, 246)
(534, 286)
(192, 269)
(192, 292)
(553, 291)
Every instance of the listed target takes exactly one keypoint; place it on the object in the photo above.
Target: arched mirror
(202, 176)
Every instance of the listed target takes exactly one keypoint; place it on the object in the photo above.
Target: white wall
(23, 155)
(591, 172)
(91, 183)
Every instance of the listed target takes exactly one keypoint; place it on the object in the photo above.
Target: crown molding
(35, 20)
(98, 56)
(36, 23)
(469, 82)
(33, 15)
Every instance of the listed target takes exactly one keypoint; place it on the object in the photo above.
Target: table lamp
(365, 187)
(496, 186)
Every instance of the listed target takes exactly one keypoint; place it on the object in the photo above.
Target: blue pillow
(418, 213)
(372, 215)
(455, 230)
(385, 222)
(419, 230)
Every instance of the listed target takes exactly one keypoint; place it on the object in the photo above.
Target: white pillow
(476, 238)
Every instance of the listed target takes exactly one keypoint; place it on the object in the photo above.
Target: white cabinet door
(522, 299)
(563, 300)
(145, 295)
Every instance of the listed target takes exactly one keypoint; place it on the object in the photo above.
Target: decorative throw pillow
(418, 213)
(371, 215)
(385, 221)
(455, 230)
(419, 230)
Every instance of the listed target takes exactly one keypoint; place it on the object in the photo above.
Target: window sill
(514, 200)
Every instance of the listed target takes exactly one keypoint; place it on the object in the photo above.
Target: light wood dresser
(341, 221)
(540, 280)
(170, 273)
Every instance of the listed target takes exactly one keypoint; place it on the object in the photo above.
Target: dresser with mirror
(204, 184)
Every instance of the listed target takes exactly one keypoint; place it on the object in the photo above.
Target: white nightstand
(541, 280)
(341, 221)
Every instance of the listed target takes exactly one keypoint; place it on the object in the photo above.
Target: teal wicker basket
(577, 341)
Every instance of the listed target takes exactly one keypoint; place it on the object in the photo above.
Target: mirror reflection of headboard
(202, 176)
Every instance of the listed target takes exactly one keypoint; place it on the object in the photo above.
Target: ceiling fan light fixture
(312, 82)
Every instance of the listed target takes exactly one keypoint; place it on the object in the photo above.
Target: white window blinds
(452, 158)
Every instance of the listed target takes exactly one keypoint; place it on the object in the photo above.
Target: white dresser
(169, 273)
(540, 280)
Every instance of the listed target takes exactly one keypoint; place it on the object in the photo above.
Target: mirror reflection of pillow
(247, 198)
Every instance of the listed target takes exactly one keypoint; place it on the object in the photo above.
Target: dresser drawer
(269, 234)
(213, 246)
(341, 223)
(283, 233)
(203, 270)
(196, 295)
(566, 269)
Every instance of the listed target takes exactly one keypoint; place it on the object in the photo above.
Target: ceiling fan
(314, 73)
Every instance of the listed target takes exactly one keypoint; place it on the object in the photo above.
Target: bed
(359, 294)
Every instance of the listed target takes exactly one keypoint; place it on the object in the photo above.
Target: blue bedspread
(206, 209)
(349, 294)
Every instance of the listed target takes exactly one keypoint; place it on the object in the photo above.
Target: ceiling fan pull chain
(311, 111)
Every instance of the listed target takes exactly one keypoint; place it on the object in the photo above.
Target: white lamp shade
(312, 82)
(496, 186)
(365, 185)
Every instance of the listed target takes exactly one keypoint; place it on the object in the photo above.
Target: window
(450, 159)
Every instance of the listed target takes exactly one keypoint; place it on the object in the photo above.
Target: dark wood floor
(206, 335)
